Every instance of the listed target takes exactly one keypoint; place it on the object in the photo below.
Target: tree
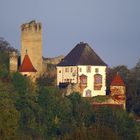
(133, 90)
(9, 118)
(55, 117)
(21, 83)
(5, 49)
(5, 46)
(46, 80)
(118, 120)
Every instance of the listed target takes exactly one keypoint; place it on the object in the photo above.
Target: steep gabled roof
(117, 81)
(26, 65)
(82, 54)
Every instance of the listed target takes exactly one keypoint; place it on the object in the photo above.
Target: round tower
(13, 62)
(31, 40)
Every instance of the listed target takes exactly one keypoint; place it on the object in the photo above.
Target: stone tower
(118, 90)
(31, 42)
(13, 62)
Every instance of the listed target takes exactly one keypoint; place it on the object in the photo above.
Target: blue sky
(111, 27)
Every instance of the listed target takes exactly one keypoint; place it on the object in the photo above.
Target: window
(88, 69)
(96, 70)
(88, 93)
(83, 80)
(74, 73)
(59, 71)
(71, 69)
(80, 69)
(97, 82)
(66, 69)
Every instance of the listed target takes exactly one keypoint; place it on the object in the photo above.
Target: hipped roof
(82, 54)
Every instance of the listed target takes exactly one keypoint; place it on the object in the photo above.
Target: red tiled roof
(26, 65)
(117, 81)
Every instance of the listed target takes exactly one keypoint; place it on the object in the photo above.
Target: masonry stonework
(31, 43)
(13, 62)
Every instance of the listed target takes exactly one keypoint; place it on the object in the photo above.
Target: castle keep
(31, 43)
(32, 63)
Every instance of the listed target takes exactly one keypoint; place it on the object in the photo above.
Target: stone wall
(31, 43)
(13, 62)
(51, 61)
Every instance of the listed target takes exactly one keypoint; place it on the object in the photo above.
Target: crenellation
(31, 27)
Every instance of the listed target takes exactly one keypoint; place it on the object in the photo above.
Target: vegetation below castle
(28, 112)
(42, 112)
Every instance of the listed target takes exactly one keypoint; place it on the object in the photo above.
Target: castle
(32, 63)
(82, 67)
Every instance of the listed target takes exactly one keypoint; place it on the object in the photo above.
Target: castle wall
(53, 61)
(118, 94)
(31, 41)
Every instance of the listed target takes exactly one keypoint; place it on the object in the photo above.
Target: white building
(82, 66)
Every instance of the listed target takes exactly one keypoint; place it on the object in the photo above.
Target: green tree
(5, 49)
(21, 83)
(55, 118)
(9, 118)
(133, 90)
(118, 120)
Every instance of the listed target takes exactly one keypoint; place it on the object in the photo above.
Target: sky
(110, 27)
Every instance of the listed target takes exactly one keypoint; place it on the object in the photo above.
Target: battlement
(32, 26)
(14, 54)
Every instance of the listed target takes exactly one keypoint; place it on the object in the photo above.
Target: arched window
(88, 93)
(83, 81)
(97, 82)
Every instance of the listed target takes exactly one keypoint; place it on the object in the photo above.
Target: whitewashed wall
(63, 74)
